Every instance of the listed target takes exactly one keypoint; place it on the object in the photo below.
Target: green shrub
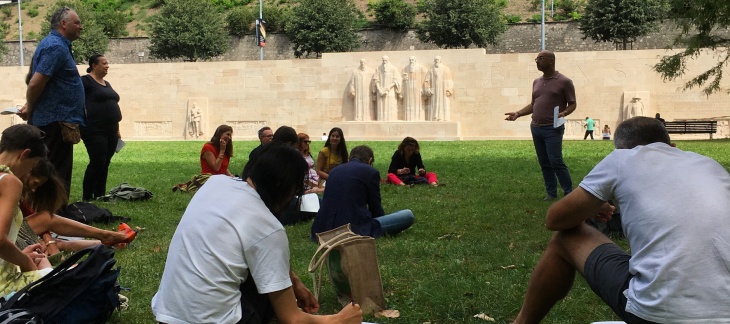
(230, 3)
(536, 18)
(275, 17)
(511, 19)
(566, 7)
(240, 21)
(559, 17)
(393, 14)
(33, 12)
(574, 16)
(7, 10)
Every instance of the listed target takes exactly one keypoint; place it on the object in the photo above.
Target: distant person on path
(659, 117)
(55, 96)
(101, 133)
(228, 260)
(606, 133)
(677, 271)
(590, 124)
(551, 90)
(265, 136)
(352, 196)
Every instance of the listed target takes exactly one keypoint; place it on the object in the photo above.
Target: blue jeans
(397, 222)
(549, 148)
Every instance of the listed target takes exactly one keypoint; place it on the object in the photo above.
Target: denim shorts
(607, 273)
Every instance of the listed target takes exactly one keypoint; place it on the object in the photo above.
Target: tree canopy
(320, 26)
(461, 23)
(701, 24)
(188, 29)
(621, 21)
(93, 39)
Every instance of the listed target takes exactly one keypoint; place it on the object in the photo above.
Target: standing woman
(216, 154)
(21, 147)
(606, 133)
(332, 154)
(101, 132)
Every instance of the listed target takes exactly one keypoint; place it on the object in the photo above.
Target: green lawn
(471, 250)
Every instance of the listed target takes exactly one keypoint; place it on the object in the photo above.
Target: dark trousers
(255, 308)
(60, 153)
(100, 145)
(548, 143)
(588, 132)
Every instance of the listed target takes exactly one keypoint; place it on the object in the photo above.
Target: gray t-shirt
(675, 211)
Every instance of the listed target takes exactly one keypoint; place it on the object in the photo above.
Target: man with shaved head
(550, 90)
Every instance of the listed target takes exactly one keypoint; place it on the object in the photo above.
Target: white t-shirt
(226, 233)
(675, 211)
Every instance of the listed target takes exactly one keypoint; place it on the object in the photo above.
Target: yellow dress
(11, 279)
(333, 159)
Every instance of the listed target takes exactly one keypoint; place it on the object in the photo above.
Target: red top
(205, 168)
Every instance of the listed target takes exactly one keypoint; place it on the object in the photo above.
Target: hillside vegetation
(34, 13)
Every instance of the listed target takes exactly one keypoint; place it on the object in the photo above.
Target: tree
(240, 21)
(3, 32)
(620, 21)
(319, 26)
(93, 39)
(701, 23)
(188, 29)
(394, 14)
(461, 23)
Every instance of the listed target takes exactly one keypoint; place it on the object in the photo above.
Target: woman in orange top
(216, 154)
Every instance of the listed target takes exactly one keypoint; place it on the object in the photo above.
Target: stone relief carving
(438, 87)
(196, 121)
(196, 118)
(634, 108)
(246, 128)
(386, 87)
(153, 128)
(360, 84)
(414, 75)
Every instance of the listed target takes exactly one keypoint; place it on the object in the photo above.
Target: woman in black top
(406, 166)
(101, 132)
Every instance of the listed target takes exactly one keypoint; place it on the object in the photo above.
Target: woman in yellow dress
(332, 154)
(21, 147)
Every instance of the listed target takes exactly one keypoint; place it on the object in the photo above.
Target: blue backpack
(86, 293)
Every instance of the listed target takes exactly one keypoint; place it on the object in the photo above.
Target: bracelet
(50, 242)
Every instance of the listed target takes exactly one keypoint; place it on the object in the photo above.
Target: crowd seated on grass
(352, 196)
(241, 270)
(674, 210)
(44, 194)
(406, 166)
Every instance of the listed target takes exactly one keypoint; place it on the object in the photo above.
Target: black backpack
(86, 293)
(88, 213)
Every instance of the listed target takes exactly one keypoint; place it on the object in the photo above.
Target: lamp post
(20, 33)
(542, 29)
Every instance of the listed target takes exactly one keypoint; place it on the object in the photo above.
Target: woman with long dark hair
(216, 154)
(101, 133)
(406, 166)
(332, 154)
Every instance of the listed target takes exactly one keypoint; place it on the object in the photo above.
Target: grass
(472, 249)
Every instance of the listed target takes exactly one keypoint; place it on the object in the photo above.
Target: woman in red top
(216, 154)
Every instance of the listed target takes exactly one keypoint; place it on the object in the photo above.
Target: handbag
(353, 268)
(70, 132)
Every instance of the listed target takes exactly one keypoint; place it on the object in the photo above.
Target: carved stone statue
(360, 82)
(634, 108)
(196, 116)
(414, 74)
(439, 87)
(386, 87)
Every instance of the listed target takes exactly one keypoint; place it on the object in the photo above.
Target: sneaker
(549, 198)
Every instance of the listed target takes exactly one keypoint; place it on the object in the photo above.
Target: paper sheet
(120, 145)
(9, 111)
(557, 122)
(310, 203)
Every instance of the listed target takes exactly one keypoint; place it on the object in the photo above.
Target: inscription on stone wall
(246, 127)
(575, 127)
(153, 128)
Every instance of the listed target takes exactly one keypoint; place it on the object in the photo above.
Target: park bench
(692, 127)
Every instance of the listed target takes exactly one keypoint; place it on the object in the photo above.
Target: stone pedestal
(391, 131)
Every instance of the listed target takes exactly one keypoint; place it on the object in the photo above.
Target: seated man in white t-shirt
(675, 214)
(228, 261)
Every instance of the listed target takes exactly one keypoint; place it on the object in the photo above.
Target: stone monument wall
(314, 95)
